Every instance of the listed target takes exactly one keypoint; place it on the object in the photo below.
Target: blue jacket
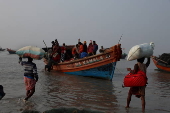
(95, 47)
(83, 54)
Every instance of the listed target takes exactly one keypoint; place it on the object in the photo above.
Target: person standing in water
(2, 94)
(138, 91)
(30, 76)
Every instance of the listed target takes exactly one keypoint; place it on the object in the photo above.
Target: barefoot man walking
(30, 76)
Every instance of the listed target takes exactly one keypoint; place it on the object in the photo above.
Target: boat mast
(120, 38)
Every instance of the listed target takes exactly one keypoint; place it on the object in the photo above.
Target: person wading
(30, 76)
(138, 91)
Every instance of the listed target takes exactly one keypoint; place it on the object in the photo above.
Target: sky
(29, 22)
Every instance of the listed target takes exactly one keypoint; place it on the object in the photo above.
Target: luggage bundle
(135, 80)
(31, 51)
(141, 50)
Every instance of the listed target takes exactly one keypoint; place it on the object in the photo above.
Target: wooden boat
(1, 49)
(101, 65)
(161, 64)
(11, 51)
(123, 56)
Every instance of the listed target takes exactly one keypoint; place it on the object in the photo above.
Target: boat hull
(160, 67)
(2, 49)
(11, 51)
(105, 71)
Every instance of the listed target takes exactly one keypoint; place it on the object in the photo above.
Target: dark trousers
(62, 57)
(2, 94)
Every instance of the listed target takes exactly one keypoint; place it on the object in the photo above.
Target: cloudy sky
(29, 22)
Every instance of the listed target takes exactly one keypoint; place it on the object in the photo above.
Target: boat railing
(156, 58)
(106, 53)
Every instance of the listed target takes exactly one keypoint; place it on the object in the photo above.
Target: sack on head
(141, 50)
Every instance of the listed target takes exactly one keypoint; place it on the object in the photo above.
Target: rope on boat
(159, 59)
(45, 45)
(122, 74)
(119, 71)
(120, 38)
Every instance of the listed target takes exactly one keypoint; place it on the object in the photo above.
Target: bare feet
(143, 110)
(127, 107)
(24, 100)
(2, 95)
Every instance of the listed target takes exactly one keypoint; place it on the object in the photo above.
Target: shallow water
(55, 90)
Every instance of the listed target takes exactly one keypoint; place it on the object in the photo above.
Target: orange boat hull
(160, 67)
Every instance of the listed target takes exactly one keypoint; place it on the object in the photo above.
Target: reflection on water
(162, 83)
(55, 90)
(80, 92)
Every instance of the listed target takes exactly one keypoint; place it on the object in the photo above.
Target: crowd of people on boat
(63, 53)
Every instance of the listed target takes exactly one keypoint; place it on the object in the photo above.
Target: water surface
(55, 90)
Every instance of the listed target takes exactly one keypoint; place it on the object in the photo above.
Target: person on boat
(30, 76)
(49, 52)
(56, 55)
(75, 52)
(95, 47)
(84, 47)
(138, 91)
(2, 94)
(84, 51)
(56, 42)
(101, 50)
(50, 61)
(80, 49)
(63, 52)
(90, 48)
(53, 44)
(53, 56)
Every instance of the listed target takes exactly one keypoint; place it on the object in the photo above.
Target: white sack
(141, 50)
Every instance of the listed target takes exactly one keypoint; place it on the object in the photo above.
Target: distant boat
(162, 62)
(123, 55)
(11, 51)
(1, 49)
(100, 66)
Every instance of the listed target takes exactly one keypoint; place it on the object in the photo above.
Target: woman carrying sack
(138, 91)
